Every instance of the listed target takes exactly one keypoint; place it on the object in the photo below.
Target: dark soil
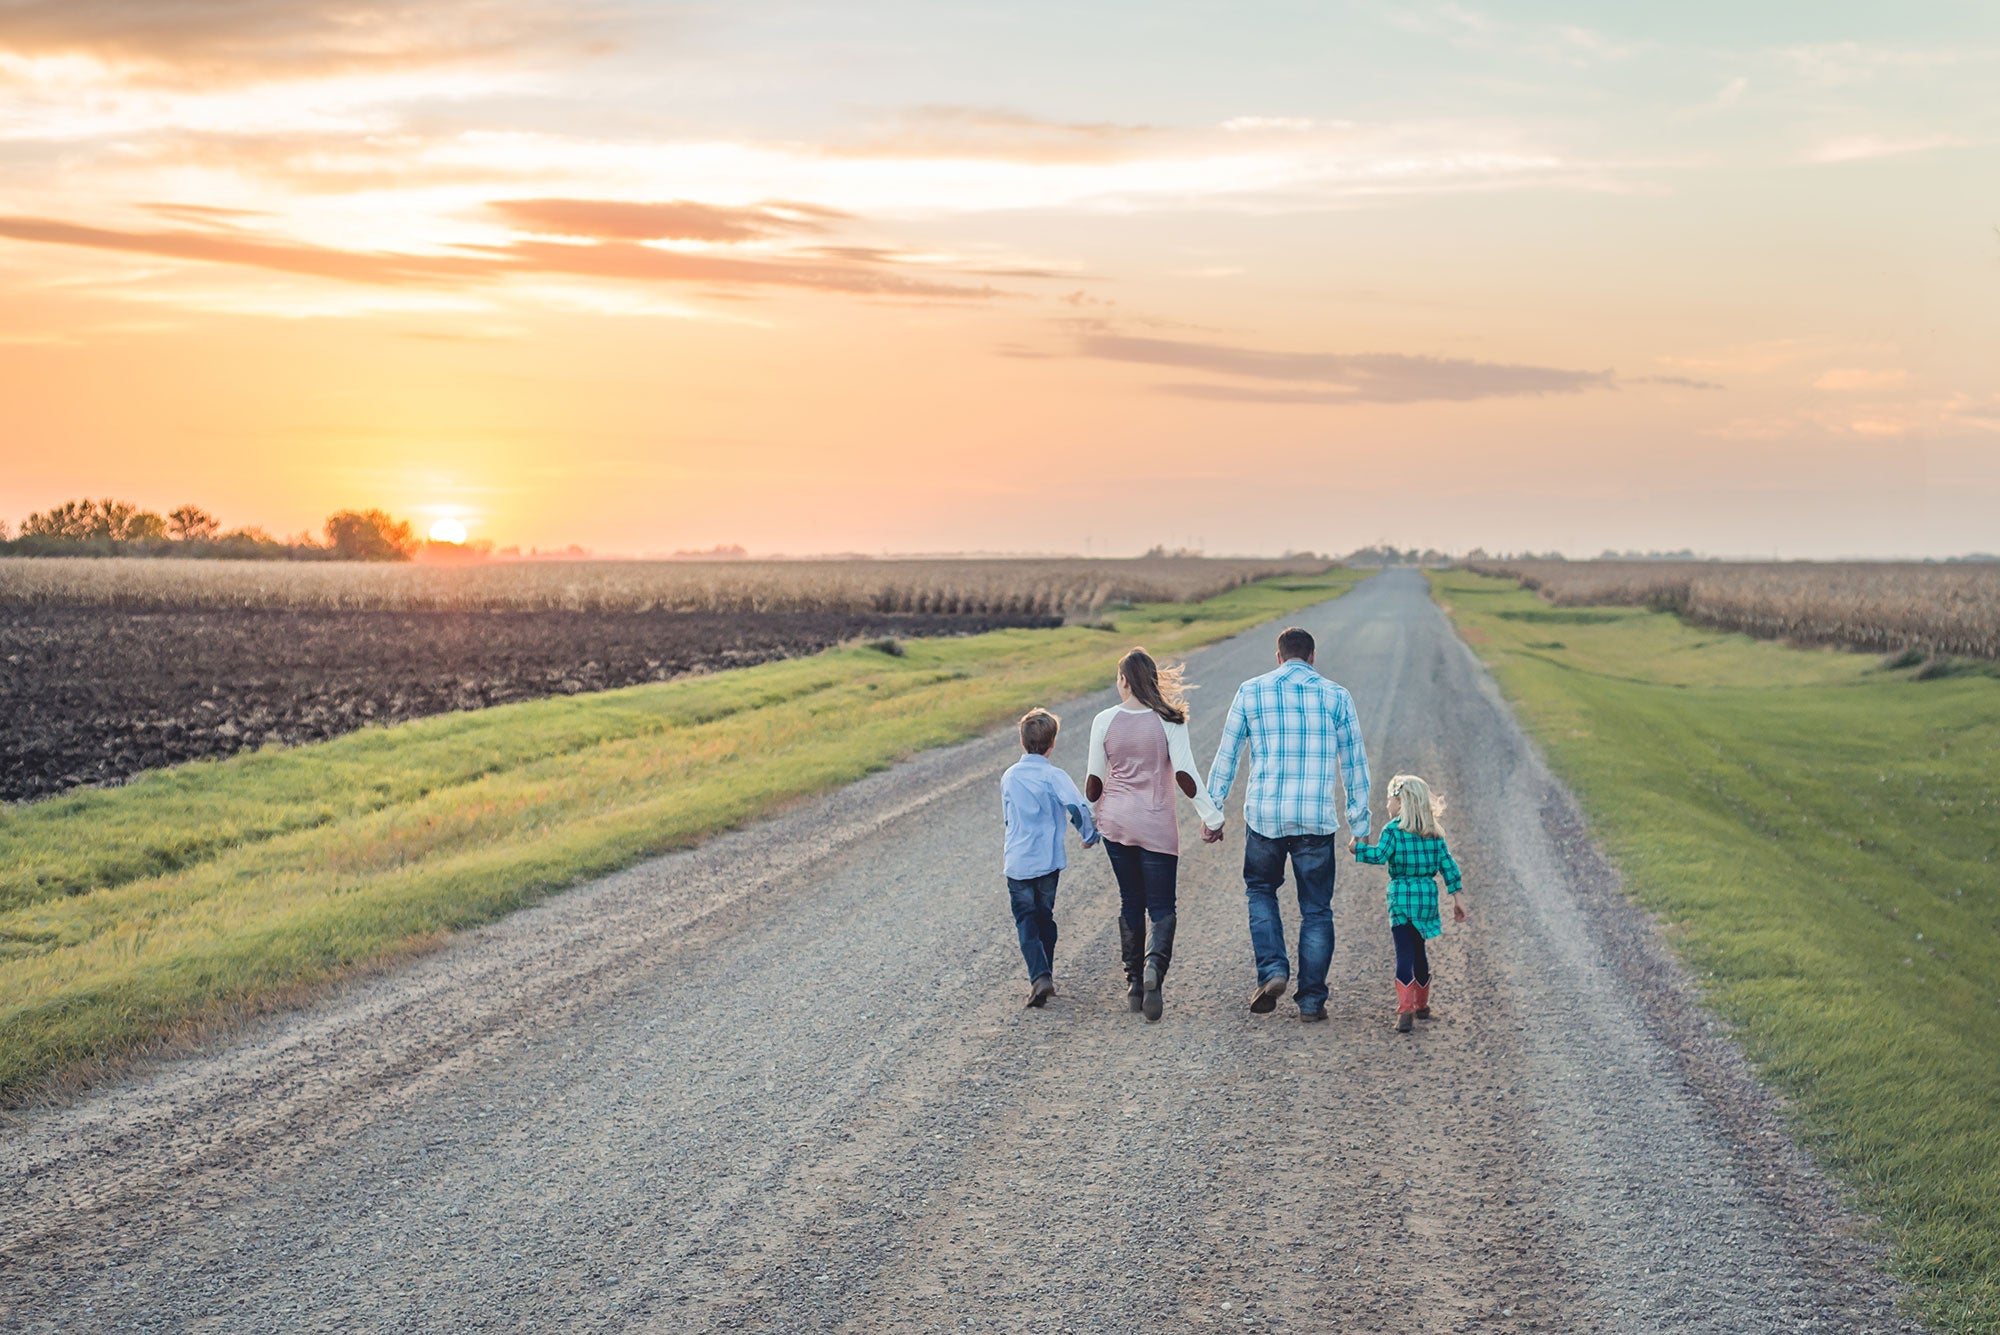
(91, 695)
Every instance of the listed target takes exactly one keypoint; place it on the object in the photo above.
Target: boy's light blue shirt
(1035, 798)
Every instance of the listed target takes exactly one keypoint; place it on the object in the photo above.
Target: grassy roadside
(130, 914)
(1822, 837)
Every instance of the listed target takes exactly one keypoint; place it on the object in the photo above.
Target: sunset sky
(1023, 276)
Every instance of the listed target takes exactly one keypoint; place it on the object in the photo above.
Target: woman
(1139, 754)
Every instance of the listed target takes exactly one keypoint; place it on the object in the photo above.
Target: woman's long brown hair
(1161, 692)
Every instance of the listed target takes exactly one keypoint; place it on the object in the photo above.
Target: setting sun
(449, 529)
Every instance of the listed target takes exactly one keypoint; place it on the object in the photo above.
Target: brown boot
(1406, 1005)
(1422, 997)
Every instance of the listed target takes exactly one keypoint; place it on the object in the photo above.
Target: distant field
(109, 667)
(950, 587)
(1882, 606)
(1821, 835)
(133, 914)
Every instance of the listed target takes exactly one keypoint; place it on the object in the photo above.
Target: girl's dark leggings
(1412, 965)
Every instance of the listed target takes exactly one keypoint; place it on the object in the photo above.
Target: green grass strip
(219, 888)
(1822, 838)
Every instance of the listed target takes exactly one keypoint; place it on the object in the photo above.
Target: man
(1297, 725)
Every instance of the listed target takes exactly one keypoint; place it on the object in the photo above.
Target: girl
(1140, 753)
(1413, 847)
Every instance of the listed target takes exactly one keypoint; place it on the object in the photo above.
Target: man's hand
(1457, 911)
(1353, 844)
(1213, 836)
(1093, 841)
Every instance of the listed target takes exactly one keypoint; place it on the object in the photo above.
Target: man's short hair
(1295, 643)
(1038, 731)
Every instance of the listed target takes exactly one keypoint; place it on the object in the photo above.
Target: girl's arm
(1453, 882)
(1098, 766)
(1180, 753)
(1376, 854)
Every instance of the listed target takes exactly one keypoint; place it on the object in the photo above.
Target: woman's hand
(1213, 836)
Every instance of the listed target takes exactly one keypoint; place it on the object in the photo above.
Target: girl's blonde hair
(1420, 808)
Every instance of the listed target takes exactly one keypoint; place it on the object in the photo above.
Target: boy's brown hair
(1038, 731)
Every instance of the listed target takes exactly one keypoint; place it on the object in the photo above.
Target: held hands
(1213, 836)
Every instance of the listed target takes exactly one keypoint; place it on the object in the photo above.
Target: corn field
(1882, 606)
(966, 587)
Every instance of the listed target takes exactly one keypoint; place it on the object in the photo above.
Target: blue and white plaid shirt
(1296, 723)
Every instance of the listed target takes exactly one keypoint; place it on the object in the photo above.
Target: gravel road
(785, 1082)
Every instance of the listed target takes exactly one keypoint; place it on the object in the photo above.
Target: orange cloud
(676, 220)
(205, 41)
(233, 247)
(858, 270)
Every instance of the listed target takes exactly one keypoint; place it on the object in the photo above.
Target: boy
(1035, 797)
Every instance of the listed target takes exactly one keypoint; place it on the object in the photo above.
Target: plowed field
(97, 694)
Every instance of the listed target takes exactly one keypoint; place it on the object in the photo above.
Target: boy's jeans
(1035, 920)
(1312, 858)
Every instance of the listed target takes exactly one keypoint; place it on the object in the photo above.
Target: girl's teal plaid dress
(1414, 864)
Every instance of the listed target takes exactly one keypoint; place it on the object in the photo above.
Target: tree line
(118, 528)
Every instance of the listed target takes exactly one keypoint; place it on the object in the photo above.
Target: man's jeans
(1035, 920)
(1312, 858)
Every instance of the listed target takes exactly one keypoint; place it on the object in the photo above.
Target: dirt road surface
(785, 1082)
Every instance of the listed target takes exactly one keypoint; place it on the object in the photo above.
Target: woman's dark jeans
(1035, 920)
(1263, 873)
(1146, 882)
(1412, 964)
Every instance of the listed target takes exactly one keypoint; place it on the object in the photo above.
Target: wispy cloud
(1845, 64)
(1673, 381)
(1863, 147)
(995, 134)
(1337, 378)
(675, 220)
(206, 41)
(607, 253)
(1847, 379)
(1475, 29)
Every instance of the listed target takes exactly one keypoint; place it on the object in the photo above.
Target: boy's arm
(1078, 809)
(1235, 732)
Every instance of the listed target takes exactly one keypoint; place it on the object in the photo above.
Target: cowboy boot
(1423, 1000)
(1406, 1005)
(1158, 957)
(1132, 947)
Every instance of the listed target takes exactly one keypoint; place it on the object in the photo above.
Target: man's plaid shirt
(1296, 724)
(1414, 864)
